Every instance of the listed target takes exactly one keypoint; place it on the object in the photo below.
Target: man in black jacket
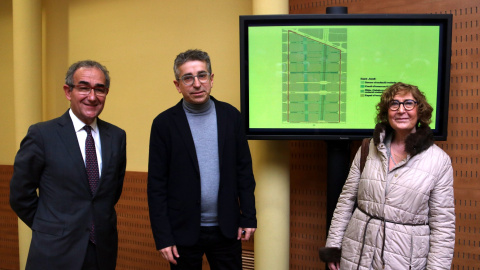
(200, 179)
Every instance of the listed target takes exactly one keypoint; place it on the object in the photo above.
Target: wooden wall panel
(136, 248)
(308, 203)
(463, 127)
(9, 253)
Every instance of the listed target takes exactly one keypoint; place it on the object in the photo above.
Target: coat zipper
(411, 252)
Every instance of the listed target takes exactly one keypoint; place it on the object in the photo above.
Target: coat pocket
(419, 251)
(48, 227)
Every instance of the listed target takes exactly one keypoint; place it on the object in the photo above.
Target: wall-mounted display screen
(321, 76)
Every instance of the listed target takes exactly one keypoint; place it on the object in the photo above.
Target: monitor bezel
(443, 20)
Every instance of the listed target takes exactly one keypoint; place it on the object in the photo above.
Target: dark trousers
(90, 262)
(222, 253)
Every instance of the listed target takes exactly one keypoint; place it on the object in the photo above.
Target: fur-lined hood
(415, 143)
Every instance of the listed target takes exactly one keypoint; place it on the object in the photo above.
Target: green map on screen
(332, 77)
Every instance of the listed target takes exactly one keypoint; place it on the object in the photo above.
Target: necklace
(395, 155)
(393, 160)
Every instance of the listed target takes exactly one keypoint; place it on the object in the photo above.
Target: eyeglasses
(408, 104)
(85, 90)
(189, 79)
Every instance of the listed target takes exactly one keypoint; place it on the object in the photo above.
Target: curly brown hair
(424, 110)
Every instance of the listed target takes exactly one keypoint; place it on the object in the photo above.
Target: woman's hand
(334, 265)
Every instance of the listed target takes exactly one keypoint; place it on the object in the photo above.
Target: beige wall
(138, 41)
(7, 121)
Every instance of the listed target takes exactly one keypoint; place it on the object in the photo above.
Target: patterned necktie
(91, 166)
(91, 163)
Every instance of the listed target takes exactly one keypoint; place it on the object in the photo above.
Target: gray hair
(88, 64)
(191, 55)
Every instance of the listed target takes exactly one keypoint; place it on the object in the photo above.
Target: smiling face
(403, 121)
(86, 107)
(197, 93)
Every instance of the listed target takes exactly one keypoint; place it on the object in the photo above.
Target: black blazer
(174, 177)
(50, 159)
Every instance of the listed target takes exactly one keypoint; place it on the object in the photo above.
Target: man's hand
(170, 254)
(245, 233)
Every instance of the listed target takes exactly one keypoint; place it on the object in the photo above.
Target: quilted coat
(405, 217)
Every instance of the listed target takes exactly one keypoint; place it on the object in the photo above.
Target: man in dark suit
(200, 179)
(79, 180)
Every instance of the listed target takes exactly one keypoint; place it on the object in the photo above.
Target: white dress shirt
(82, 136)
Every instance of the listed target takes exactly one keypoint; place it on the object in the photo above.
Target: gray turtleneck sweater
(202, 120)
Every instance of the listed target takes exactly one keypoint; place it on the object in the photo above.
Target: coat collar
(184, 129)
(415, 143)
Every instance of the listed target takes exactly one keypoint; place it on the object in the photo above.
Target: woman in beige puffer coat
(405, 217)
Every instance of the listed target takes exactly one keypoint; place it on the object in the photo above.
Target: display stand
(338, 158)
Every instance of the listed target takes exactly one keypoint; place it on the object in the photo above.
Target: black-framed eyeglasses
(86, 89)
(189, 79)
(408, 104)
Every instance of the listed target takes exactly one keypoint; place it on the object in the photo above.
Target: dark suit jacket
(174, 177)
(50, 159)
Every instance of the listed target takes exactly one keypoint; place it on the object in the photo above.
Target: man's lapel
(221, 129)
(181, 122)
(66, 134)
(106, 142)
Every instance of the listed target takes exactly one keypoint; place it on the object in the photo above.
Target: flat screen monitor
(321, 76)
